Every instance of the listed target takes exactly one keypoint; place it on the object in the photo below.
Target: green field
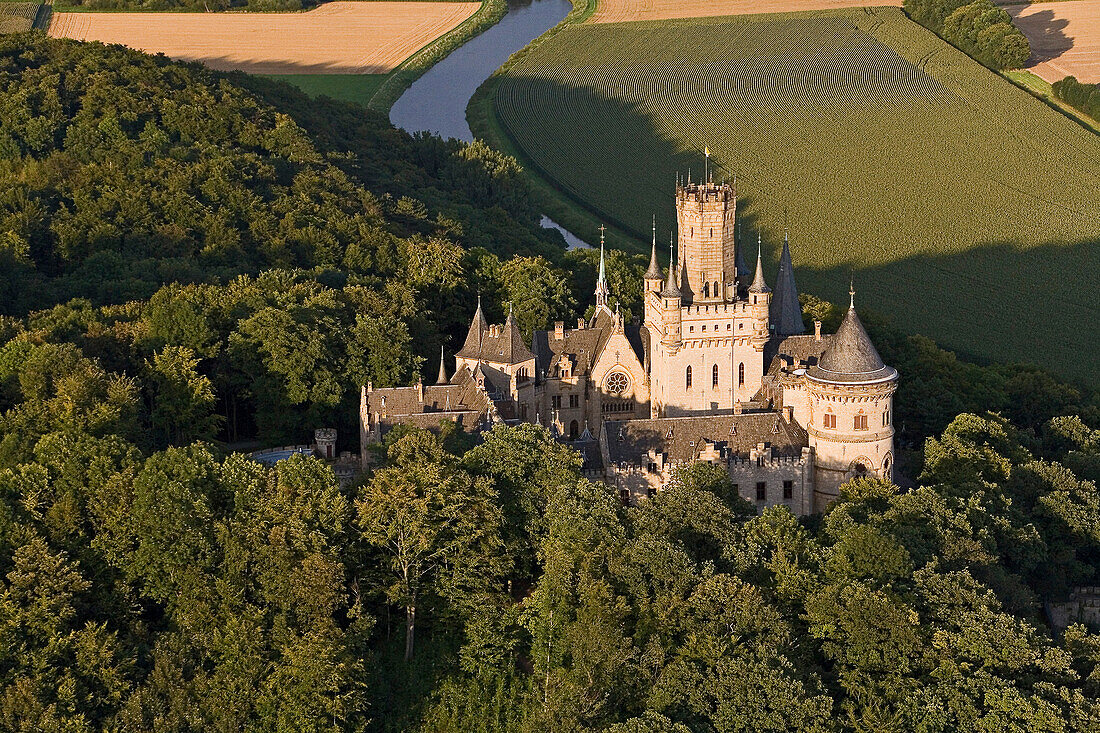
(967, 209)
(357, 88)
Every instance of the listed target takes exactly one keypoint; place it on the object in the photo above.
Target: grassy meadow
(966, 209)
(357, 88)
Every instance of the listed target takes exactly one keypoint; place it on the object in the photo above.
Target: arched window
(712, 231)
(741, 374)
(714, 376)
(706, 290)
(717, 292)
(687, 379)
(886, 468)
(573, 430)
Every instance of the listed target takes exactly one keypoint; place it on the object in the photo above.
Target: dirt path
(1064, 37)
(615, 11)
(336, 38)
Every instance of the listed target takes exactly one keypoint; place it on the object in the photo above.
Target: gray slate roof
(629, 441)
(851, 357)
(506, 346)
(460, 400)
(805, 349)
(786, 313)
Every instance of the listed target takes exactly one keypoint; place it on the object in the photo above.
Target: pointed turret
(758, 283)
(654, 271)
(851, 356)
(511, 349)
(671, 289)
(471, 347)
(602, 291)
(786, 313)
(442, 378)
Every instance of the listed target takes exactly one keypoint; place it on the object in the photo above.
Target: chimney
(737, 407)
(789, 410)
(580, 324)
(817, 330)
(559, 330)
(419, 390)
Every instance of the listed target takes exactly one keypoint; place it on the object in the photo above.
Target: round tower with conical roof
(851, 395)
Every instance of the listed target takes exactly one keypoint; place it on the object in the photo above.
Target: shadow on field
(1009, 301)
(990, 303)
(1044, 31)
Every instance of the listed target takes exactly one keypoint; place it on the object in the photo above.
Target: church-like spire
(758, 284)
(672, 290)
(442, 378)
(786, 313)
(654, 271)
(602, 291)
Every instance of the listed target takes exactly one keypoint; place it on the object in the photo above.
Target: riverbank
(401, 78)
(556, 204)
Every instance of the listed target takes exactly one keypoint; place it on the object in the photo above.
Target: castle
(720, 369)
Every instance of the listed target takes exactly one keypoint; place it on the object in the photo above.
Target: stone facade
(716, 371)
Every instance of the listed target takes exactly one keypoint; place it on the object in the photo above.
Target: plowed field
(336, 38)
(615, 11)
(1064, 37)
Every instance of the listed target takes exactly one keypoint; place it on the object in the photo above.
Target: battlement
(709, 192)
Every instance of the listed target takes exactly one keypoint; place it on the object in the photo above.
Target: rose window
(617, 383)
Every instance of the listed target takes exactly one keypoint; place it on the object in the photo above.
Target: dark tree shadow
(1044, 31)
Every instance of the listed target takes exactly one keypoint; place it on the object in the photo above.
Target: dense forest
(195, 261)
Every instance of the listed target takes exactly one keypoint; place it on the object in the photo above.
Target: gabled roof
(682, 438)
(786, 313)
(851, 357)
(503, 346)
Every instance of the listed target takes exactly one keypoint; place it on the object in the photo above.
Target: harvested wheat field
(616, 11)
(336, 38)
(1064, 37)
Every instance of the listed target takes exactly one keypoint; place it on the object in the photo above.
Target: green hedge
(980, 28)
(1085, 97)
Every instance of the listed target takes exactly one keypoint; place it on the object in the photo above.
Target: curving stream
(436, 102)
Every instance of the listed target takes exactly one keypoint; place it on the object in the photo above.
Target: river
(436, 102)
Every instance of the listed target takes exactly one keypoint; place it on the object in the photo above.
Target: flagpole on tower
(706, 164)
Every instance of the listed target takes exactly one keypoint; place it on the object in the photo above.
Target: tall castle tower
(705, 338)
(705, 217)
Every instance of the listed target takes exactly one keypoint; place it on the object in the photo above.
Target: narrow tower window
(741, 374)
(714, 376)
(706, 290)
(860, 422)
(687, 379)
